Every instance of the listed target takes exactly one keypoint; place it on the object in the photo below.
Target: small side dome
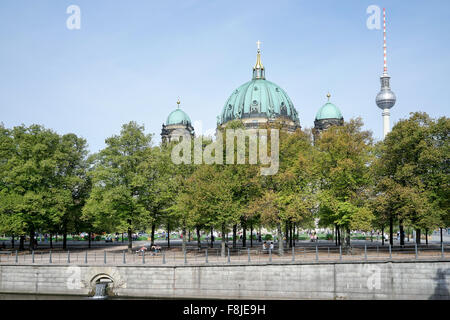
(178, 117)
(329, 111)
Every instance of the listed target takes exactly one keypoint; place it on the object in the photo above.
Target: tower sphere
(385, 98)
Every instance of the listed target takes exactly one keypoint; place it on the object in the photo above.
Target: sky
(131, 60)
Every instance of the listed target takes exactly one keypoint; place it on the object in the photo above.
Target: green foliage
(412, 172)
(267, 237)
(42, 180)
(48, 185)
(342, 166)
(117, 202)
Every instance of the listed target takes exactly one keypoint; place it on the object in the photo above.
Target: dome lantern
(258, 69)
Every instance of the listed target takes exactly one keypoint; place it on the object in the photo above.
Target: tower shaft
(386, 122)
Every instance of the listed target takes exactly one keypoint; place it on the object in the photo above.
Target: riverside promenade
(307, 271)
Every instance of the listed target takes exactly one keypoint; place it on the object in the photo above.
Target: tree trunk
(290, 235)
(189, 235)
(426, 237)
(199, 243)
(286, 232)
(347, 238)
(152, 235)
(212, 237)
(280, 240)
(336, 234)
(183, 244)
(441, 235)
(31, 246)
(244, 234)
(89, 240)
(130, 238)
(22, 243)
(12, 240)
(391, 231)
(295, 237)
(65, 240)
(251, 235)
(234, 236)
(382, 236)
(222, 251)
(122, 237)
(339, 236)
(402, 233)
(168, 235)
(418, 236)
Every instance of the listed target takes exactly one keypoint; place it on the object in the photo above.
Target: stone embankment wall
(345, 280)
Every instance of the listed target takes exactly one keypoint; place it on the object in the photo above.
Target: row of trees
(48, 183)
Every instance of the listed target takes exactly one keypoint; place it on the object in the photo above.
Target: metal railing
(176, 256)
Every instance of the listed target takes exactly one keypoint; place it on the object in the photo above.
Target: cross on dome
(258, 69)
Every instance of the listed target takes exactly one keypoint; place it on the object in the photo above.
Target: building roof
(328, 111)
(178, 116)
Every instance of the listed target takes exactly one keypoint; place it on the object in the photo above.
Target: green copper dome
(258, 98)
(329, 111)
(178, 116)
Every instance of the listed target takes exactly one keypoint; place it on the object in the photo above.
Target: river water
(7, 296)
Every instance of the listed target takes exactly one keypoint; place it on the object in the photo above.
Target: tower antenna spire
(384, 40)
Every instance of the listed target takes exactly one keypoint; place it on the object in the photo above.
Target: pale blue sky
(132, 59)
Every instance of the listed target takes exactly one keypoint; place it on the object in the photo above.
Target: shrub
(268, 237)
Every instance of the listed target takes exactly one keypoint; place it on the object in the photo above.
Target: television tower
(385, 98)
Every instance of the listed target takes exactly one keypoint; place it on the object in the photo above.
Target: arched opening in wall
(102, 286)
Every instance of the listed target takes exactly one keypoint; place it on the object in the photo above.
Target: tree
(38, 179)
(342, 166)
(412, 172)
(206, 200)
(116, 198)
(158, 187)
(72, 157)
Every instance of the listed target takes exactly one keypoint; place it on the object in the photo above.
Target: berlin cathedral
(256, 103)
